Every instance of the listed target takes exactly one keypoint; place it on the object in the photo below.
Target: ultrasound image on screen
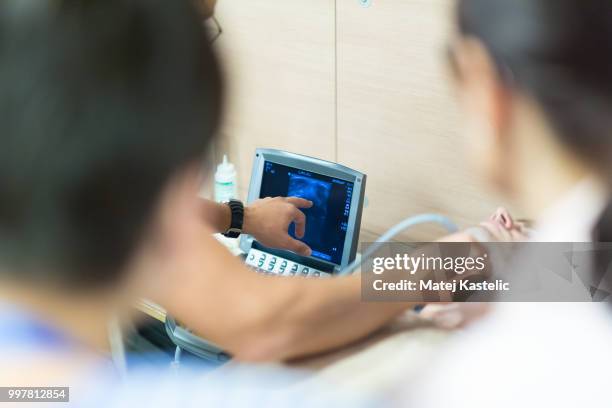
(318, 192)
(327, 220)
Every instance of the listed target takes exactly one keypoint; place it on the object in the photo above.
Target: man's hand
(500, 227)
(268, 220)
(454, 316)
(207, 7)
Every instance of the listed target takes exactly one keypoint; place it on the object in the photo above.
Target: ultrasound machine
(332, 227)
(332, 223)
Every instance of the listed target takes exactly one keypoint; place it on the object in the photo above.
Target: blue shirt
(22, 334)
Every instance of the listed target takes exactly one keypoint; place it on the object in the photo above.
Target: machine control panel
(269, 264)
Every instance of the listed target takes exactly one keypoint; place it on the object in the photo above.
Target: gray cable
(394, 231)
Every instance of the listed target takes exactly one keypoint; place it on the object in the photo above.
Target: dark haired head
(101, 101)
(560, 53)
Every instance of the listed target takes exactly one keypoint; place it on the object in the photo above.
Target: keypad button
(305, 271)
(272, 264)
(262, 260)
(251, 258)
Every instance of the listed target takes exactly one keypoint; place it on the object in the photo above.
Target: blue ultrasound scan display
(327, 220)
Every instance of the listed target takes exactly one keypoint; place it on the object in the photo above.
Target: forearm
(325, 315)
(217, 215)
(257, 317)
(286, 318)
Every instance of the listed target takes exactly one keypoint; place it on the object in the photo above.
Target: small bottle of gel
(225, 181)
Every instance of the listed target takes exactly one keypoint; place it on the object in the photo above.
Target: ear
(481, 88)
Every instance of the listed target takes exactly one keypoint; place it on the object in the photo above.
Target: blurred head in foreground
(535, 78)
(104, 104)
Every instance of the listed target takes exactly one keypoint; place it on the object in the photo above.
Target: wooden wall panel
(280, 64)
(396, 117)
(397, 120)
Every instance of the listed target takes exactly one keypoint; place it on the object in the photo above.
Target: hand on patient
(206, 7)
(500, 227)
(268, 220)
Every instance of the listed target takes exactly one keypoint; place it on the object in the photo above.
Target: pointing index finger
(299, 202)
(299, 219)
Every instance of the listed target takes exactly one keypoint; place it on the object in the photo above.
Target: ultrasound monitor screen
(327, 220)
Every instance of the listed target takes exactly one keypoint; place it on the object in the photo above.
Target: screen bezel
(321, 167)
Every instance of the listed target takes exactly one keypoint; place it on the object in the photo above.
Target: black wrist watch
(237, 209)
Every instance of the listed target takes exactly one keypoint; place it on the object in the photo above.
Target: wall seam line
(336, 145)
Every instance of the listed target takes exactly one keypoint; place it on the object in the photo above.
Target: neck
(546, 170)
(83, 317)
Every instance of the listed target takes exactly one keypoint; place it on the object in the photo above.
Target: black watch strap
(237, 209)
